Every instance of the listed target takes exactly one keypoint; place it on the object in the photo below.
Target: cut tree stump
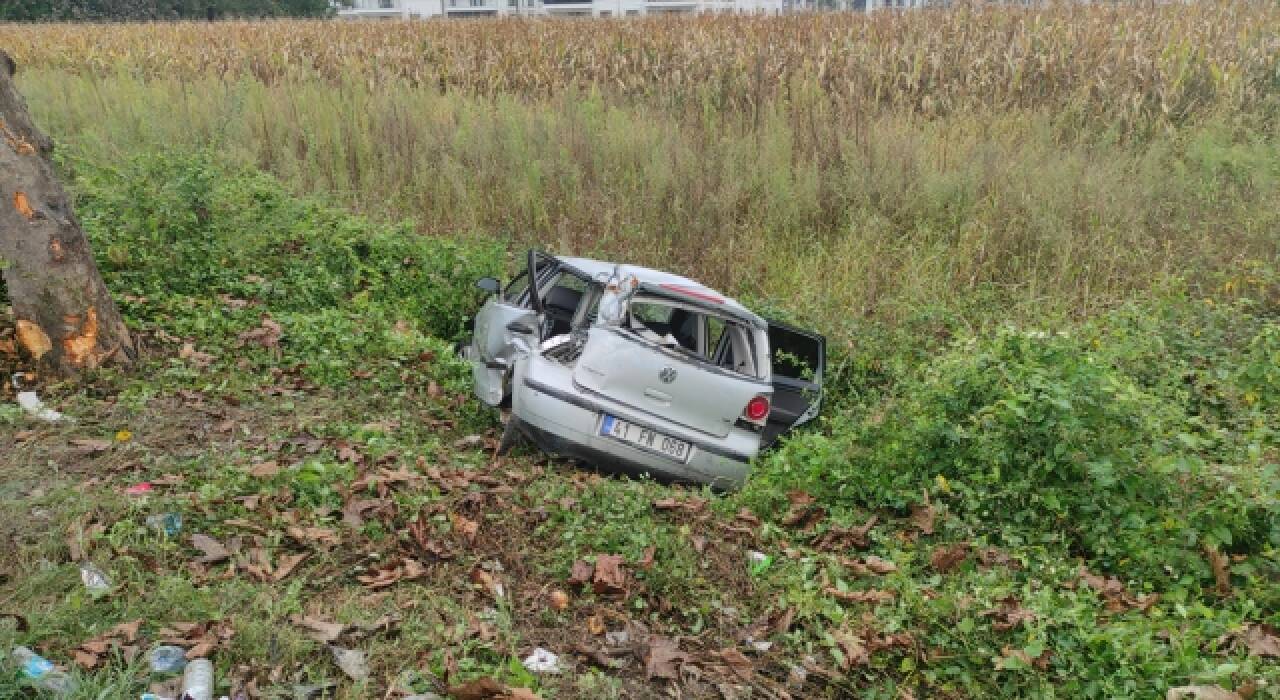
(66, 319)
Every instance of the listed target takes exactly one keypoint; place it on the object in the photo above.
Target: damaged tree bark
(66, 318)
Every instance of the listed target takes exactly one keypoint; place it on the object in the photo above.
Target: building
(423, 9)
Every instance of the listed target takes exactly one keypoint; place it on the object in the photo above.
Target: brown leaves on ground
(873, 595)
(856, 647)
(946, 558)
(838, 538)
(32, 339)
(488, 689)
(200, 639)
(1116, 595)
(1011, 658)
(690, 506)
(1258, 639)
(392, 572)
(1221, 569)
(609, 577)
(323, 631)
(90, 446)
(804, 513)
(198, 359)
(123, 638)
(488, 581)
(213, 550)
(265, 470)
(266, 335)
(663, 658)
(580, 573)
(923, 516)
(322, 536)
(1008, 615)
(465, 527)
(870, 565)
(259, 565)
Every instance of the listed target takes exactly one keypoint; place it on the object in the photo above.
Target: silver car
(639, 370)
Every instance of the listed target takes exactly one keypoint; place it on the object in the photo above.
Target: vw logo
(667, 375)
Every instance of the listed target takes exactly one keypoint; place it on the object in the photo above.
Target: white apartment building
(424, 9)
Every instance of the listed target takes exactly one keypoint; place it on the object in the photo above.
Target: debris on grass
(94, 580)
(351, 661)
(542, 661)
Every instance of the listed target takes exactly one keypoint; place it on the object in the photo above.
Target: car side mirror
(489, 285)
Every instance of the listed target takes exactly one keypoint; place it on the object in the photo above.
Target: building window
(512, 3)
(385, 4)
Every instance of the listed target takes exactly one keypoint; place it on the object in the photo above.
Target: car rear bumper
(564, 421)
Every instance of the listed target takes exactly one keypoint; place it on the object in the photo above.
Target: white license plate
(645, 438)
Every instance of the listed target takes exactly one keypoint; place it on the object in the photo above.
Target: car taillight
(757, 409)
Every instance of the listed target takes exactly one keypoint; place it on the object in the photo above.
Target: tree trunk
(66, 318)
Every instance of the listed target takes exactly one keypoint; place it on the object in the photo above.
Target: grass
(1050, 307)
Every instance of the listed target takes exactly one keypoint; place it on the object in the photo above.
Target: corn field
(1151, 64)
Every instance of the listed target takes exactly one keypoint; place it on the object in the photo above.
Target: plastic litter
(167, 659)
(43, 673)
(141, 489)
(168, 523)
(617, 639)
(197, 680)
(351, 661)
(31, 403)
(542, 661)
(95, 581)
(759, 562)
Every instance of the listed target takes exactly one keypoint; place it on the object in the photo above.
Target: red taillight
(757, 409)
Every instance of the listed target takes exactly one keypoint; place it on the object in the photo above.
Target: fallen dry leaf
(488, 581)
(1221, 571)
(1114, 593)
(478, 689)
(1010, 614)
(213, 550)
(923, 517)
(318, 535)
(265, 470)
(391, 572)
(663, 658)
(946, 558)
(842, 538)
(867, 596)
(609, 576)
(90, 446)
(870, 565)
(465, 527)
(1009, 654)
(1262, 640)
(580, 573)
(267, 335)
(852, 649)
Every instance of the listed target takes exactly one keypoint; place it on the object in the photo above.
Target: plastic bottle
(42, 672)
(167, 659)
(168, 523)
(197, 680)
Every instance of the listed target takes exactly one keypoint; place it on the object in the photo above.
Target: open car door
(798, 358)
(507, 324)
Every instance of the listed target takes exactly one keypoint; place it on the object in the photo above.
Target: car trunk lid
(663, 382)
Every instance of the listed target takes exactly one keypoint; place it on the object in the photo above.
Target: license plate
(644, 438)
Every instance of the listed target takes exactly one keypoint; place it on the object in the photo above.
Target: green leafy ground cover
(1081, 510)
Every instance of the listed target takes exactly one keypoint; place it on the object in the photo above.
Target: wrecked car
(639, 370)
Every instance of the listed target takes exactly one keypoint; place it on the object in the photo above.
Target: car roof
(668, 284)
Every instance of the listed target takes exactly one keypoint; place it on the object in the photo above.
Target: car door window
(516, 290)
